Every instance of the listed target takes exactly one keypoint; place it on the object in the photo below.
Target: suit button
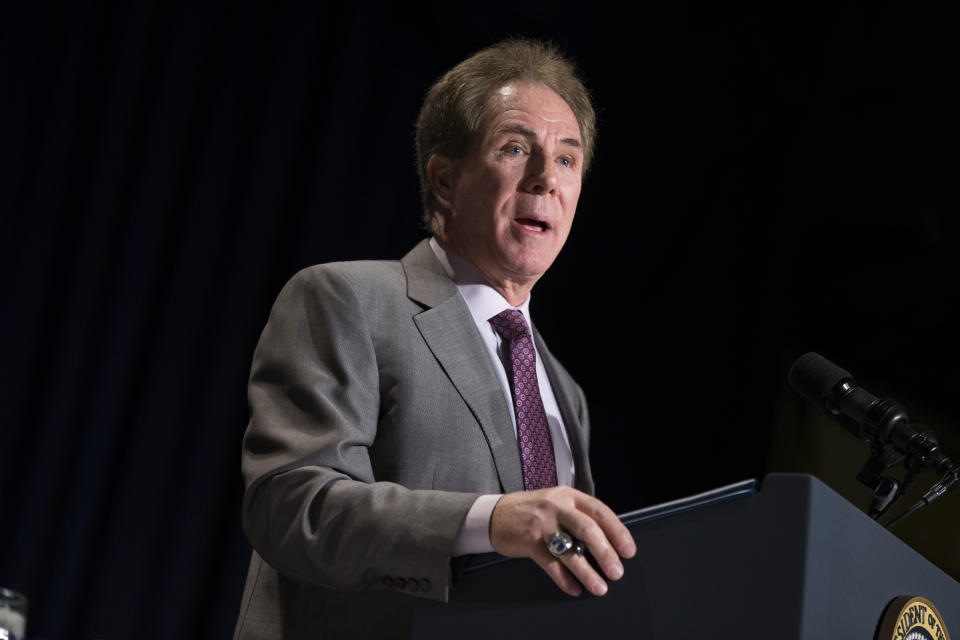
(387, 581)
(413, 585)
(400, 583)
(425, 584)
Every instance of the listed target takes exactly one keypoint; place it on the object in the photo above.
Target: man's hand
(523, 521)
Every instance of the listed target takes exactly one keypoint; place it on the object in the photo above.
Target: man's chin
(529, 268)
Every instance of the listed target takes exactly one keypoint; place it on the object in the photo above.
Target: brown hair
(452, 110)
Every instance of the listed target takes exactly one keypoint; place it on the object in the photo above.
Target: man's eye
(515, 149)
(566, 162)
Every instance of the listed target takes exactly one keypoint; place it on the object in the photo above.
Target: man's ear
(442, 174)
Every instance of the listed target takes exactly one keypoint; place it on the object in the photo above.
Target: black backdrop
(768, 182)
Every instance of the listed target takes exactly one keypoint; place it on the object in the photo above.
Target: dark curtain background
(769, 181)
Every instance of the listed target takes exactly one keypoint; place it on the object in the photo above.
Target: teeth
(532, 227)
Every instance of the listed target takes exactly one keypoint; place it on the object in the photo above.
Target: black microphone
(882, 421)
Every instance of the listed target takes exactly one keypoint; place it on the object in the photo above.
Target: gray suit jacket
(376, 421)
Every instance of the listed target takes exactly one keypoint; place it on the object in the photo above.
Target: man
(405, 414)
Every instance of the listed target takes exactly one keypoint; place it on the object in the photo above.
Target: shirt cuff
(474, 535)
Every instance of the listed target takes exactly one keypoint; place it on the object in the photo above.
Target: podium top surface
(801, 558)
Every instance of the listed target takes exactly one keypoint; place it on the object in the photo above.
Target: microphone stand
(938, 489)
(886, 490)
(923, 452)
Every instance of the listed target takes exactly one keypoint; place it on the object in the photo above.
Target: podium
(788, 559)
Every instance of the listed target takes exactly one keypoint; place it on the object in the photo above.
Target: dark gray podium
(791, 559)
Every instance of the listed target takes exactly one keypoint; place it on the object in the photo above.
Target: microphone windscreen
(815, 377)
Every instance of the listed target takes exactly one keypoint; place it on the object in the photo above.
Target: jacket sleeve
(312, 507)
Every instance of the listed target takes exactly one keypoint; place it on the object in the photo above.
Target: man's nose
(541, 175)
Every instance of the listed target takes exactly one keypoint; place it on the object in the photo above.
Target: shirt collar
(483, 300)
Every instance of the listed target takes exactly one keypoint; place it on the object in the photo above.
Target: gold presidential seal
(912, 618)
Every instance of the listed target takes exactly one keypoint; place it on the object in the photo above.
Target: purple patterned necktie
(533, 431)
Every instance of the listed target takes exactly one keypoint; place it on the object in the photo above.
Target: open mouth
(532, 225)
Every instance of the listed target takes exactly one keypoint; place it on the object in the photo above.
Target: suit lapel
(576, 432)
(448, 330)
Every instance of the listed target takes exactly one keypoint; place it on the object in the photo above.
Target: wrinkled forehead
(524, 97)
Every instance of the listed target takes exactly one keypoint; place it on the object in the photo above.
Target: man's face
(514, 195)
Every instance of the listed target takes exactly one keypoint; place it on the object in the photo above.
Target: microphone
(882, 421)
(833, 390)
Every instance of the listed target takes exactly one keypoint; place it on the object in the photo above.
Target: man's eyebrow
(524, 131)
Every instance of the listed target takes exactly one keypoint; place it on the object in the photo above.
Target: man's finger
(587, 530)
(560, 576)
(615, 531)
(522, 523)
(584, 573)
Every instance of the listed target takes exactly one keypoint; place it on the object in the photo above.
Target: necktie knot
(510, 324)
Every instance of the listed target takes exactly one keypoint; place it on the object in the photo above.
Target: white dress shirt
(484, 303)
